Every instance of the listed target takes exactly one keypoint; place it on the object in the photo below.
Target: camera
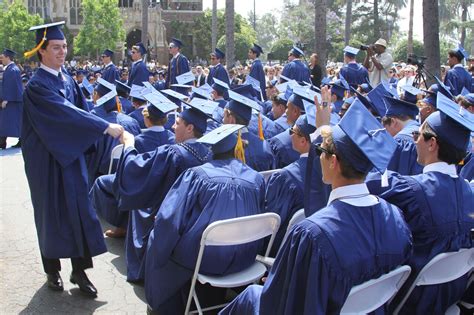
(415, 60)
(366, 47)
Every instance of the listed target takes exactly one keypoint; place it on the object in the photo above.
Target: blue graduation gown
(138, 74)
(337, 105)
(127, 106)
(355, 74)
(438, 210)
(149, 140)
(268, 126)
(284, 196)
(111, 73)
(281, 124)
(160, 85)
(11, 116)
(218, 72)
(459, 78)
(297, 70)
(218, 190)
(467, 170)
(327, 254)
(55, 134)
(176, 67)
(282, 149)
(138, 116)
(404, 158)
(267, 109)
(256, 72)
(258, 153)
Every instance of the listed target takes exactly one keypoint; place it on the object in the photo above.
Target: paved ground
(22, 281)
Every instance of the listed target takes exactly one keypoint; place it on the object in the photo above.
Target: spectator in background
(316, 71)
(378, 61)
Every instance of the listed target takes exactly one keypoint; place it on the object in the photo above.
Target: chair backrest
(266, 174)
(370, 295)
(442, 268)
(297, 217)
(114, 155)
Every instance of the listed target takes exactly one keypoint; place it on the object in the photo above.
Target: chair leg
(196, 301)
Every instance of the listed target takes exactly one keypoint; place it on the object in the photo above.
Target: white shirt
(441, 167)
(192, 140)
(110, 63)
(304, 155)
(355, 195)
(156, 128)
(375, 75)
(51, 70)
(458, 65)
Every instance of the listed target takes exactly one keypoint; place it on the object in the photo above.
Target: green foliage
(399, 53)
(267, 26)
(103, 27)
(16, 21)
(242, 45)
(281, 48)
(181, 30)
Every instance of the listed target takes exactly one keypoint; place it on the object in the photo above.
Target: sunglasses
(320, 150)
(416, 135)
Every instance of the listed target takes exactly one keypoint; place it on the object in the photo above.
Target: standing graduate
(11, 104)
(139, 72)
(354, 73)
(178, 65)
(143, 180)
(437, 204)
(57, 130)
(355, 238)
(110, 72)
(457, 76)
(221, 189)
(123, 91)
(296, 69)
(217, 70)
(256, 69)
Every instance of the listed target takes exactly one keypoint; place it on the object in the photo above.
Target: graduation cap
(284, 97)
(184, 86)
(362, 140)
(200, 93)
(108, 53)
(175, 95)
(411, 93)
(140, 47)
(253, 82)
(87, 86)
(220, 86)
(397, 107)
(350, 51)
(282, 87)
(379, 110)
(122, 87)
(339, 88)
(50, 31)
(103, 87)
(444, 89)
(461, 52)
(257, 49)
(176, 43)
(241, 105)
(452, 122)
(343, 82)
(297, 52)
(206, 106)
(366, 87)
(9, 53)
(157, 107)
(197, 115)
(24, 78)
(107, 92)
(219, 54)
(389, 88)
(222, 139)
(185, 78)
(137, 92)
(246, 90)
(300, 94)
(305, 125)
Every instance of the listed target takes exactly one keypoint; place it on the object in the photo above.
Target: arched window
(75, 12)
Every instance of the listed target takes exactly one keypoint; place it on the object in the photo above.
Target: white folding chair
(266, 174)
(444, 267)
(233, 232)
(370, 295)
(115, 155)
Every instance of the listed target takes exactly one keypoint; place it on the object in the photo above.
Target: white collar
(156, 128)
(9, 64)
(192, 140)
(356, 195)
(176, 56)
(109, 64)
(304, 155)
(458, 65)
(135, 62)
(441, 167)
(244, 130)
(50, 70)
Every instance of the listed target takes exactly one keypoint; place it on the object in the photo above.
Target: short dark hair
(197, 134)
(446, 152)
(43, 46)
(278, 100)
(238, 120)
(463, 101)
(224, 155)
(387, 120)
(455, 54)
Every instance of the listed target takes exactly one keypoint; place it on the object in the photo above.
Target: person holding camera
(378, 61)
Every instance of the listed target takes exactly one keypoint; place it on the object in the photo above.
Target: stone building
(160, 15)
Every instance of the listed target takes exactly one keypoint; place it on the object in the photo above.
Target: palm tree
(229, 30)
(347, 29)
(410, 29)
(145, 4)
(320, 44)
(214, 25)
(431, 37)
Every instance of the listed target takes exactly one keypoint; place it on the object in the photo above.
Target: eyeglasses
(320, 150)
(294, 132)
(426, 135)
(134, 52)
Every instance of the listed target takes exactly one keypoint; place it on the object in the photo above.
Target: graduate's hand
(4, 104)
(127, 139)
(114, 130)
(323, 110)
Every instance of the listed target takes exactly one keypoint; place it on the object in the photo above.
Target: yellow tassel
(260, 127)
(119, 105)
(239, 151)
(32, 52)
(461, 163)
(346, 94)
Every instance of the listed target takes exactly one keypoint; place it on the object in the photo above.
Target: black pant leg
(51, 265)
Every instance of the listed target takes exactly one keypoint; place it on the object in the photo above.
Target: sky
(263, 6)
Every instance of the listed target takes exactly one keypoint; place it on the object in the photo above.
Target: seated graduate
(285, 188)
(122, 91)
(279, 111)
(142, 181)
(139, 103)
(155, 118)
(338, 91)
(355, 238)
(88, 91)
(219, 90)
(221, 189)
(239, 111)
(400, 123)
(467, 167)
(437, 204)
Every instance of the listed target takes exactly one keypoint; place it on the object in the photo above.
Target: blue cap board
(461, 52)
(452, 123)
(185, 78)
(338, 88)
(87, 86)
(282, 87)
(206, 106)
(220, 86)
(196, 115)
(157, 107)
(257, 49)
(301, 93)
(296, 51)
(175, 42)
(200, 93)
(108, 53)
(304, 126)
(350, 51)
(9, 53)
(137, 91)
(362, 141)
(223, 138)
(140, 47)
(219, 54)
(444, 89)
(122, 87)
(430, 100)
(253, 82)
(184, 86)
(411, 93)
(53, 31)
(241, 105)
(246, 90)
(343, 82)
(376, 97)
(175, 95)
(103, 87)
(378, 111)
(390, 89)
(397, 107)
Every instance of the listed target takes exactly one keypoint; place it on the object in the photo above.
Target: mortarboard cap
(175, 95)
(411, 93)
(430, 100)
(222, 139)
(140, 47)
(397, 107)
(219, 54)
(200, 93)
(50, 31)
(378, 109)
(362, 140)
(88, 87)
(257, 49)
(108, 53)
(390, 89)
(157, 107)
(176, 43)
(184, 86)
(297, 52)
(350, 51)
(306, 127)
(137, 91)
(451, 122)
(206, 106)
(24, 78)
(185, 78)
(122, 87)
(253, 82)
(366, 87)
(461, 52)
(338, 88)
(246, 90)
(444, 89)
(9, 53)
(220, 86)
(241, 105)
(103, 87)
(196, 115)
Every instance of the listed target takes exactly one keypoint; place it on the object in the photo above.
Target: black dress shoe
(18, 145)
(55, 282)
(86, 287)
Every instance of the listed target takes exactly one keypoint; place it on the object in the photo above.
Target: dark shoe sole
(87, 293)
(55, 288)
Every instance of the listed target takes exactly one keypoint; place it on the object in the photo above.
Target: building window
(125, 3)
(40, 7)
(75, 12)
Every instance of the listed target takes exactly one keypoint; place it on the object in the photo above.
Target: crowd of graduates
(383, 170)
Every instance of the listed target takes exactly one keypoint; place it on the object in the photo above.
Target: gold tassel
(119, 105)
(239, 151)
(32, 52)
(461, 163)
(260, 127)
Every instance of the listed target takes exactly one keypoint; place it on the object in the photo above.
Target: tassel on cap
(119, 104)
(260, 127)
(239, 151)
(32, 52)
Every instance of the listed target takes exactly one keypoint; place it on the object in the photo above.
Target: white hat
(381, 42)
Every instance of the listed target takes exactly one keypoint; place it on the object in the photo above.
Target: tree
(320, 45)
(280, 48)
(103, 27)
(410, 29)
(16, 36)
(145, 4)
(400, 50)
(431, 37)
(214, 24)
(267, 26)
(241, 43)
(347, 28)
(230, 32)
